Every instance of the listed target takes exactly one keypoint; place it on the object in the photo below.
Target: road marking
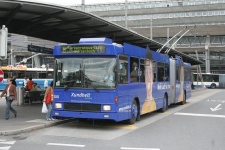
(5, 148)
(60, 144)
(8, 142)
(200, 115)
(216, 108)
(129, 127)
(1, 140)
(131, 148)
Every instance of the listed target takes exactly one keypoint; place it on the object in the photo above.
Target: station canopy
(67, 25)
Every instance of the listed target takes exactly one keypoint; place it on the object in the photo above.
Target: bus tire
(165, 104)
(133, 113)
(213, 86)
(139, 112)
(184, 99)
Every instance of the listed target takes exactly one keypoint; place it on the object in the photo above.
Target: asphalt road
(197, 125)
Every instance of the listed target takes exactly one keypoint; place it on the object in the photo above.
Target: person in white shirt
(46, 84)
(25, 82)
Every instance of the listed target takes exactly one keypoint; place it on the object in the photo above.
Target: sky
(87, 2)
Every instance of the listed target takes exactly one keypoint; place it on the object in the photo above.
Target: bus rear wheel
(133, 113)
(213, 86)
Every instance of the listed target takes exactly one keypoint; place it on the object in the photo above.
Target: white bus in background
(209, 80)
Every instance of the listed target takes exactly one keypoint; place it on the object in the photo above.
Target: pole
(24, 61)
(168, 50)
(159, 50)
(151, 29)
(126, 14)
(83, 5)
(168, 36)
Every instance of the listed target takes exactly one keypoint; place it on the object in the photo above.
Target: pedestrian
(25, 82)
(14, 80)
(45, 84)
(10, 91)
(48, 99)
(30, 84)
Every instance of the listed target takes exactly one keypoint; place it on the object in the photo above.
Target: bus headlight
(106, 107)
(58, 105)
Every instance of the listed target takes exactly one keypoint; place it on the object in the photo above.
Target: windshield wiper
(90, 81)
(66, 87)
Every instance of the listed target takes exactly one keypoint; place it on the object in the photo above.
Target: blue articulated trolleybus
(98, 79)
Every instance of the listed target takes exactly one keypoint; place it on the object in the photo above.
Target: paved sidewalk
(29, 118)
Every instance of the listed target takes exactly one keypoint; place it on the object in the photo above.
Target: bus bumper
(89, 115)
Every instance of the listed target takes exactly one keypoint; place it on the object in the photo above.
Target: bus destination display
(83, 49)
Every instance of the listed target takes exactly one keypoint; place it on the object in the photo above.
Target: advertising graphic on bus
(98, 79)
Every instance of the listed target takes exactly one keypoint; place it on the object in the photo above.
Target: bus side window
(134, 66)
(167, 72)
(123, 69)
(187, 74)
(154, 71)
(177, 73)
(142, 70)
(160, 71)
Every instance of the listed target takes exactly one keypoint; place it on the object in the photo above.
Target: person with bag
(10, 91)
(48, 99)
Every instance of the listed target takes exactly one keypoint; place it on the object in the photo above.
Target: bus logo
(87, 95)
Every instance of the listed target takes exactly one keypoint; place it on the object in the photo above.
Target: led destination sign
(83, 49)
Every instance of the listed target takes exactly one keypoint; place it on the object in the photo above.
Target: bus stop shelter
(67, 25)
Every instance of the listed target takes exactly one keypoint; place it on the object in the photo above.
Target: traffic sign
(1, 75)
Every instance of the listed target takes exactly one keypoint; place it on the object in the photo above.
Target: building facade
(162, 19)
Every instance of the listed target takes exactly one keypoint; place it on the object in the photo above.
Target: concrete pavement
(29, 118)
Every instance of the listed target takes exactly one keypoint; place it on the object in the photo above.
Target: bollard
(20, 95)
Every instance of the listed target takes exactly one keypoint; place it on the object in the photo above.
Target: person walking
(48, 99)
(10, 91)
(14, 80)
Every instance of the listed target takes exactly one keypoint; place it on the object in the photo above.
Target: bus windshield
(86, 73)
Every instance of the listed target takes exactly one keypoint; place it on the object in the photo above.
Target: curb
(34, 128)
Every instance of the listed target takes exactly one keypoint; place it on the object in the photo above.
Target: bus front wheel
(213, 86)
(133, 113)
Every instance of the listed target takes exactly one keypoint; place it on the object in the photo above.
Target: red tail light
(116, 99)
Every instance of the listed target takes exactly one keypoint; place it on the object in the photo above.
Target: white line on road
(8, 142)
(60, 144)
(5, 148)
(2, 140)
(216, 108)
(200, 115)
(131, 148)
